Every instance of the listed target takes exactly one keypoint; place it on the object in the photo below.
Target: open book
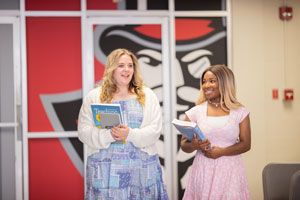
(187, 129)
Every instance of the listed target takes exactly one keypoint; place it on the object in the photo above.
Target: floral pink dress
(223, 178)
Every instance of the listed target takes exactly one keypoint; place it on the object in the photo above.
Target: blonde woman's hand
(120, 133)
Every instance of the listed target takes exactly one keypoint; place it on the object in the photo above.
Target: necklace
(215, 104)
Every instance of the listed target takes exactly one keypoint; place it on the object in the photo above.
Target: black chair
(281, 181)
(295, 186)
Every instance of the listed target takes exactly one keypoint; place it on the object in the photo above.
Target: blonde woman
(218, 172)
(115, 170)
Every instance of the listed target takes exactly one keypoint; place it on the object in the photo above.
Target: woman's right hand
(203, 145)
(190, 146)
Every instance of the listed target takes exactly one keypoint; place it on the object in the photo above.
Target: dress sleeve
(88, 133)
(242, 114)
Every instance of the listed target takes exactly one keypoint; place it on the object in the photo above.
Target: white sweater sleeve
(150, 130)
(88, 133)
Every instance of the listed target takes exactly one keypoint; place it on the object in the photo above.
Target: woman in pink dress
(218, 173)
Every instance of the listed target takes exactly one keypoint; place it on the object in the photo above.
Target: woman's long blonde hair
(226, 87)
(109, 86)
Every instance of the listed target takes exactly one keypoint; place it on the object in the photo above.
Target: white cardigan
(144, 137)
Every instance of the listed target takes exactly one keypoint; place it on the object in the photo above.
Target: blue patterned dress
(123, 171)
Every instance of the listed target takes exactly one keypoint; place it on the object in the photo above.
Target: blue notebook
(107, 115)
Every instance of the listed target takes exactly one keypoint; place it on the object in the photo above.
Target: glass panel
(9, 4)
(54, 5)
(54, 73)
(7, 114)
(54, 99)
(103, 5)
(200, 43)
(55, 170)
(125, 4)
(131, 4)
(200, 5)
(144, 41)
(157, 5)
(111, 4)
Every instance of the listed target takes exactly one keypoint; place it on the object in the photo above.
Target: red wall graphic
(53, 67)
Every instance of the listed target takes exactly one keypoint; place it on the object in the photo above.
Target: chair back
(276, 180)
(295, 186)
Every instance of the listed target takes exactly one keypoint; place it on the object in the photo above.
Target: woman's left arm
(149, 133)
(242, 146)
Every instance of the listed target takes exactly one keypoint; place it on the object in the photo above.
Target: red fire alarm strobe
(288, 95)
(285, 13)
(275, 93)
